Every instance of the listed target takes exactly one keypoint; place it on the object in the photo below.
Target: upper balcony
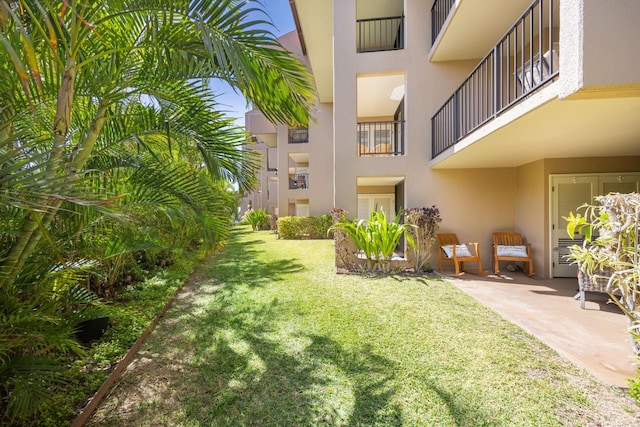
(525, 60)
(258, 126)
(466, 29)
(298, 171)
(531, 98)
(381, 138)
(380, 25)
(380, 112)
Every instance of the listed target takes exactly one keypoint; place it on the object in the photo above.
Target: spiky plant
(377, 238)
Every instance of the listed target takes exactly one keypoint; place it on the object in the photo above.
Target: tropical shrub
(377, 238)
(112, 145)
(425, 222)
(634, 386)
(257, 218)
(33, 332)
(304, 227)
(83, 374)
(612, 243)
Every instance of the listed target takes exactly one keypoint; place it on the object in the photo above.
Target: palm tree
(110, 141)
(71, 55)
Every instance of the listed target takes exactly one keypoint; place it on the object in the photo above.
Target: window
(298, 135)
(381, 136)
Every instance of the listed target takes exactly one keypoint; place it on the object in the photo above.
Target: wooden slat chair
(452, 250)
(509, 246)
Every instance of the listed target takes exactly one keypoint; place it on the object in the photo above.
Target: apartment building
(505, 114)
(297, 163)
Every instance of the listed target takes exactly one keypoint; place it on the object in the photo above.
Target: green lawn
(268, 334)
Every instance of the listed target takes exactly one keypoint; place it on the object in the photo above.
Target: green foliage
(114, 156)
(634, 386)
(377, 237)
(304, 227)
(257, 218)
(85, 372)
(425, 223)
(612, 243)
(34, 327)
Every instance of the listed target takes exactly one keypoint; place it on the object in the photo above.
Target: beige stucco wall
(257, 123)
(344, 96)
(531, 218)
(321, 169)
(320, 192)
(427, 86)
(474, 203)
(610, 42)
(592, 165)
(599, 43)
(258, 199)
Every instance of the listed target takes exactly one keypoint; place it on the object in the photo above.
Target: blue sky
(232, 103)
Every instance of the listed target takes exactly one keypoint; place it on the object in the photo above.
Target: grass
(268, 334)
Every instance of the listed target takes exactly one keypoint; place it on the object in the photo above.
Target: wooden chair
(509, 246)
(457, 253)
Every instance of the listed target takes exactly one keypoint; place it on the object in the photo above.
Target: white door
(302, 209)
(568, 194)
(368, 203)
(625, 184)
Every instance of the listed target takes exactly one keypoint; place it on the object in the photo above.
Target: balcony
(379, 34)
(379, 25)
(299, 181)
(298, 135)
(468, 29)
(439, 13)
(525, 60)
(380, 139)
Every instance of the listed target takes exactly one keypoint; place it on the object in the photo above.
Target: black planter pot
(92, 329)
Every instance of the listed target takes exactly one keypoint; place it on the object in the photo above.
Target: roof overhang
(314, 22)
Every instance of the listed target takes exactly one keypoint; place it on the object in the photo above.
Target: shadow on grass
(247, 376)
(224, 359)
(240, 264)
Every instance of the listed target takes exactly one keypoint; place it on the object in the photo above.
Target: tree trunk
(30, 233)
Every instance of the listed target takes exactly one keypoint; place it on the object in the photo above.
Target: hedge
(304, 227)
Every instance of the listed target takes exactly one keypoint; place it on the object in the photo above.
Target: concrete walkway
(595, 338)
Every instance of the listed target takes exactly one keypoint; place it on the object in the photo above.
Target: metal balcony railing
(381, 138)
(379, 34)
(439, 13)
(298, 135)
(523, 61)
(299, 181)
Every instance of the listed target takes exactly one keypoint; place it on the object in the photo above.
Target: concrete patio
(595, 338)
